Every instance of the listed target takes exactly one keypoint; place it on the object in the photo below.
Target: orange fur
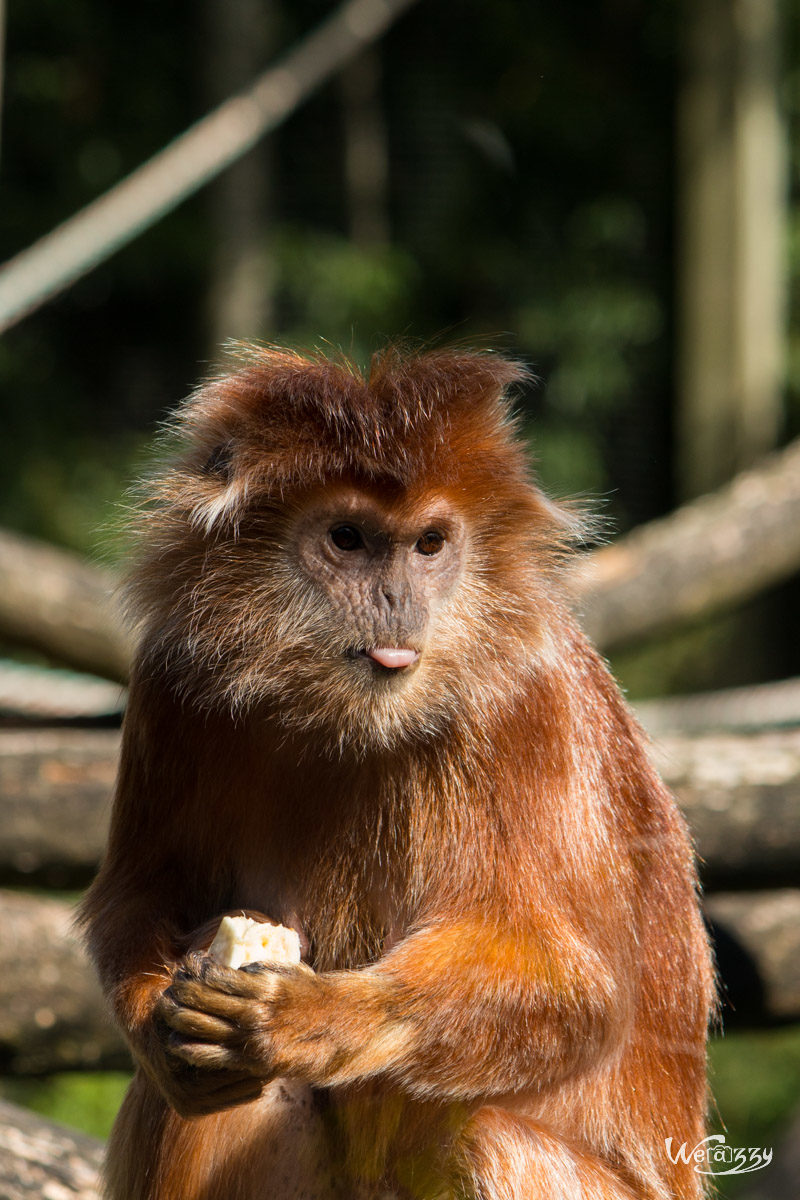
(511, 982)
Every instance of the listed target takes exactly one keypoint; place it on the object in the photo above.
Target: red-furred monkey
(361, 708)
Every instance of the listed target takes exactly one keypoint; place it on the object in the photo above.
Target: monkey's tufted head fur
(367, 556)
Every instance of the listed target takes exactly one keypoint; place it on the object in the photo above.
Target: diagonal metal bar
(73, 248)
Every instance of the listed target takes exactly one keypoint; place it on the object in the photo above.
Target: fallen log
(55, 602)
(757, 938)
(711, 554)
(40, 1160)
(35, 695)
(740, 794)
(757, 707)
(53, 1017)
(52, 1014)
(55, 788)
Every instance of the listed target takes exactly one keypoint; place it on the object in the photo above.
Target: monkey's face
(366, 626)
(384, 573)
(368, 615)
(367, 560)
(393, 623)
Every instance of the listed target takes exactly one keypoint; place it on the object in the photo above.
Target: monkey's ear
(220, 462)
(218, 501)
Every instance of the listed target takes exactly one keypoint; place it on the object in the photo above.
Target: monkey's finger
(199, 1025)
(256, 981)
(205, 1055)
(187, 992)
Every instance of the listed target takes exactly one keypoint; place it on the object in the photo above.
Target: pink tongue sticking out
(390, 656)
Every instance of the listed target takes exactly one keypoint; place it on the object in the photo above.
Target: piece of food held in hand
(362, 708)
(242, 940)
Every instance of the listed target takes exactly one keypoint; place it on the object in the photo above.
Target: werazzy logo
(713, 1157)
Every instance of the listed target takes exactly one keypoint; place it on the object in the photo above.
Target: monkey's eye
(431, 542)
(346, 537)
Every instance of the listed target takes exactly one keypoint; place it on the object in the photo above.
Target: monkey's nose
(393, 656)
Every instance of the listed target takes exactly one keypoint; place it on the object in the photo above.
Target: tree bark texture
(55, 800)
(711, 554)
(760, 706)
(740, 794)
(40, 1160)
(52, 1014)
(757, 939)
(55, 602)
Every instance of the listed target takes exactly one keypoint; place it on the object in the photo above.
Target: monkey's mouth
(390, 658)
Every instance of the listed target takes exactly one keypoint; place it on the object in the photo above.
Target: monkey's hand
(193, 1090)
(220, 1020)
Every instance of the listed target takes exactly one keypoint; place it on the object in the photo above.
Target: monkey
(361, 707)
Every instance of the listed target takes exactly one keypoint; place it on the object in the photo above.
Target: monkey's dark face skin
(383, 571)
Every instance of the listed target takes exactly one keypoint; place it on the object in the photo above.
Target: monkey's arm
(458, 1009)
(137, 950)
(151, 902)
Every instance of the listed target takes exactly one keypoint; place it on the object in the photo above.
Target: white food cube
(241, 940)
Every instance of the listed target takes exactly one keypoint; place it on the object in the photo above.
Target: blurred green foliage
(325, 283)
(755, 1084)
(529, 201)
(87, 1101)
(65, 497)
